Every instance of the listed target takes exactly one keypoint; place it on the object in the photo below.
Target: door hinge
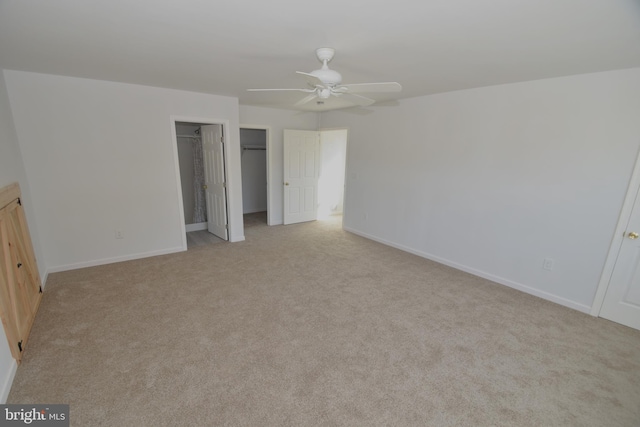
(226, 226)
(224, 185)
(19, 201)
(40, 289)
(20, 346)
(19, 264)
(222, 139)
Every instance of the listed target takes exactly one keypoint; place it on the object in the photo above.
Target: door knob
(286, 183)
(204, 186)
(633, 235)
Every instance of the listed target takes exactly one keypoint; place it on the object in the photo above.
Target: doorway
(202, 172)
(314, 174)
(333, 163)
(254, 152)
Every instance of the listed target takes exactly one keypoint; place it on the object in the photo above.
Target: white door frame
(618, 238)
(176, 163)
(267, 130)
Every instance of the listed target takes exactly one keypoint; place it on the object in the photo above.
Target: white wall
(254, 181)
(254, 170)
(277, 120)
(185, 157)
(100, 156)
(255, 137)
(494, 180)
(12, 170)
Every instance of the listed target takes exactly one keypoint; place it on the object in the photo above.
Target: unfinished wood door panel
(20, 291)
(27, 286)
(7, 310)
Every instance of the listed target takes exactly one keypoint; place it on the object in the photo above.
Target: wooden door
(20, 290)
(301, 170)
(214, 180)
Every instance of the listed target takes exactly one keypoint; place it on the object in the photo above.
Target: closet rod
(254, 148)
(188, 136)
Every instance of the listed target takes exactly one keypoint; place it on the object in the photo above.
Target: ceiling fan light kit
(325, 82)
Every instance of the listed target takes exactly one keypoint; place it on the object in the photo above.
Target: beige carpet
(307, 325)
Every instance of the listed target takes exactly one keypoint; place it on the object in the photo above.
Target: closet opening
(203, 177)
(254, 146)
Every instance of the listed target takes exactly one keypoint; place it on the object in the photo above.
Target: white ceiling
(227, 46)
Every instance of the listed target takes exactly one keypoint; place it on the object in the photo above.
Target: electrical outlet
(118, 234)
(547, 264)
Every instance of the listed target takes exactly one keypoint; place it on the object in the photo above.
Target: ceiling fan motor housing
(328, 77)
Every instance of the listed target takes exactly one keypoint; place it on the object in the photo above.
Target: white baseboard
(196, 227)
(502, 281)
(103, 261)
(43, 278)
(8, 382)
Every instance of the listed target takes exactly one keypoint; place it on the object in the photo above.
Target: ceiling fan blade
(357, 99)
(311, 79)
(306, 99)
(373, 87)
(270, 90)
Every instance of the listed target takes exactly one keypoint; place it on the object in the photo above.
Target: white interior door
(214, 180)
(301, 167)
(622, 300)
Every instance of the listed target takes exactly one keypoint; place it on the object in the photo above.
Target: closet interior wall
(185, 159)
(253, 143)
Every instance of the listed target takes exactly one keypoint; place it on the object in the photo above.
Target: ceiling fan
(325, 83)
